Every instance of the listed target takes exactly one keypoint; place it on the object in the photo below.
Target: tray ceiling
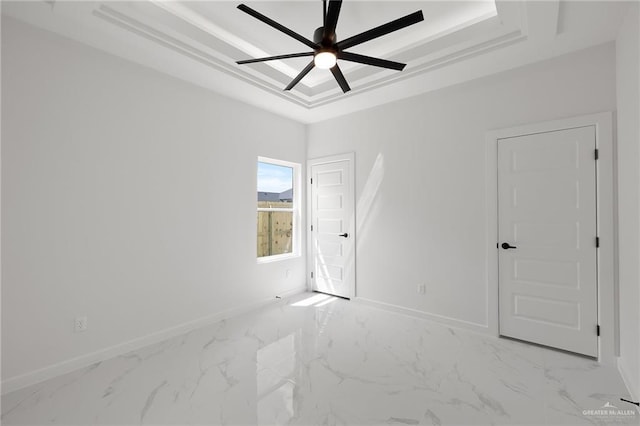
(200, 42)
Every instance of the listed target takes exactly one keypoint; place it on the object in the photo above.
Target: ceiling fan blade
(259, 16)
(300, 76)
(376, 32)
(273, 58)
(337, 73)
(332, 19)
(324, 13)
(368, 60)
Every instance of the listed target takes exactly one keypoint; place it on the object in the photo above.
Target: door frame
(608, 347)
(351, 157)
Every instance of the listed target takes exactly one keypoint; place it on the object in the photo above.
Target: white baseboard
(633, 387)
(33, 377)
(452, 322)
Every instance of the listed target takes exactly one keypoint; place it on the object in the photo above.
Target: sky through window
(274, 178)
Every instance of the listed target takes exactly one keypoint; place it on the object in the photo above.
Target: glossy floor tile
(316, 360)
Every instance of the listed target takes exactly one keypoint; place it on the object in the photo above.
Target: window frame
(294, 209)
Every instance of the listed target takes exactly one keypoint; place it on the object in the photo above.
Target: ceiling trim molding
(478, 49)
(184, 46)
(376, 80)
(195, 19)
(128, 23)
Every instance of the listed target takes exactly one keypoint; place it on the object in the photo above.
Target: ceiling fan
(326, 47)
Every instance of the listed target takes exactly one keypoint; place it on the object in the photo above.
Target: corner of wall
(628, 105)
(633, 386)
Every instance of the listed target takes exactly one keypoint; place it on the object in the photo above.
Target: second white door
(332, 222)
(547, 239)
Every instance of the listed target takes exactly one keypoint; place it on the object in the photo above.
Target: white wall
(420, 177)
(127, 196)
(628, 96)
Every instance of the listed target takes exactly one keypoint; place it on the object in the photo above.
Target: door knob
(507, 246)
(343, 235)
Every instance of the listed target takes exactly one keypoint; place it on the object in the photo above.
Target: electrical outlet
(422, 289)
(287, 273)
(80, 324)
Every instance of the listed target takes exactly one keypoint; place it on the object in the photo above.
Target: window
(278, 211)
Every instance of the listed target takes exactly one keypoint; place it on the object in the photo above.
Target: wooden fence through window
(275, 229)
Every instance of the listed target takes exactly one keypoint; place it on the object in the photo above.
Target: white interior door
(332, 221)
(547, 212)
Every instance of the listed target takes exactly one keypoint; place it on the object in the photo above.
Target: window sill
(277, 257)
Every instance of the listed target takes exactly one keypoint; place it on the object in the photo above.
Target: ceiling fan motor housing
(318, 38)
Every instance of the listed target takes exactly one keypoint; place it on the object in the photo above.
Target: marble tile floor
(317, 360)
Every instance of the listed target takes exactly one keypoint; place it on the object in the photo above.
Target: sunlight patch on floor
(316, 300)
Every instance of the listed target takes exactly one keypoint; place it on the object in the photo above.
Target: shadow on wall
(364, 208)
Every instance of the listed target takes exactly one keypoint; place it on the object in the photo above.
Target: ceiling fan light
(325, 60)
